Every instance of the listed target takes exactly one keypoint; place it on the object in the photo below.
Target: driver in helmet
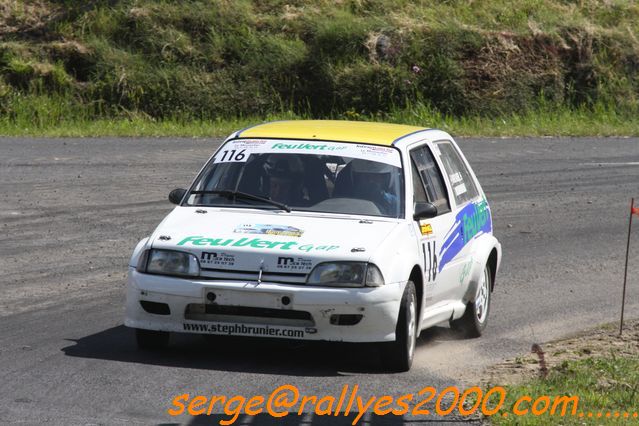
(372, 181)
(284, 179)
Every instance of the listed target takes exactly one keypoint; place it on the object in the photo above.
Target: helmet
(367, 170)
(284, 178)
(368, 166)
(285, 166)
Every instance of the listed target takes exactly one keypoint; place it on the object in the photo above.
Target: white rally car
(321, 230)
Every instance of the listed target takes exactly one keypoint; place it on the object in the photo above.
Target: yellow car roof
(331, 130)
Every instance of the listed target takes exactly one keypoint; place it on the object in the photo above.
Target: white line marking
(631, 163)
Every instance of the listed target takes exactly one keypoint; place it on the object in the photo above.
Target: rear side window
(430, 178)
(462, 183)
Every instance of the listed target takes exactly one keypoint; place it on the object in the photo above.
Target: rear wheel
(151, 339)
(398, 355)
(475, 318)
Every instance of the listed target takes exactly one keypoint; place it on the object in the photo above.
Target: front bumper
(263, 310)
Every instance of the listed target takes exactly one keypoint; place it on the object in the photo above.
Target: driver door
(429, 186)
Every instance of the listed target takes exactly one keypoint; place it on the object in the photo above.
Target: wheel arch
(488, 252)
(418, 279)
(492, 267)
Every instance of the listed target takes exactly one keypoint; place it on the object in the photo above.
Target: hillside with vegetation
(454, 61)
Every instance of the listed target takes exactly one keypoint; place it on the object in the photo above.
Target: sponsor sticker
(257, 243)
(217, 258)
(474, 219)
(426, 228)
(294, 263)
(460, 189)
(283, 230)
(243, 329)
(308, 146)
(239, 151)
(455, 177)
(465, 272)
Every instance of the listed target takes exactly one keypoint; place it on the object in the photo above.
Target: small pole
(625, 271)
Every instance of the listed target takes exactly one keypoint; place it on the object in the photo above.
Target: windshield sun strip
(402, 188)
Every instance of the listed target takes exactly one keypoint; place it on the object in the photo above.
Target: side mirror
(176, 195)
(424, 211)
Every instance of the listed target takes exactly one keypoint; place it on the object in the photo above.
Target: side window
(463, 185)
(431, 179)
(418, 187)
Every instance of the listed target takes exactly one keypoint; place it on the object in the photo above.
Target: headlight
(169, 262)
(346, 274)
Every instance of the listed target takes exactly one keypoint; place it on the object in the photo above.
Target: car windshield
(326, 177)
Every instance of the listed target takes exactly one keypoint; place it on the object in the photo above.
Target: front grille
(240, 275)
(257, 312)
(248, 315)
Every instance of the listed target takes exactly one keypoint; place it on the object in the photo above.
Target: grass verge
(551, 122)
(607, 390)
(599, 367)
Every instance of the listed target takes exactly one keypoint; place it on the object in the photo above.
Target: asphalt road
(71, 211)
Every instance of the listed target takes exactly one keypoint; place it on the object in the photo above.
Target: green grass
(55, 118)
(136, 126)
(604, 385)
(199, 66)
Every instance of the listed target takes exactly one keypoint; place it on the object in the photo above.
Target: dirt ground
(600, 342)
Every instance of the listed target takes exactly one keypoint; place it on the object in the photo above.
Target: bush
(208, 59)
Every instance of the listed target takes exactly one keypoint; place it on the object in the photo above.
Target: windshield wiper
(232, 195)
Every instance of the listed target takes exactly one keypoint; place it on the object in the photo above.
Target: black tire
(398, 356)
(475, 318)
(150, 340)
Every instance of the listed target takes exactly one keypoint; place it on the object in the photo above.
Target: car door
(470, 218)
(429, 186)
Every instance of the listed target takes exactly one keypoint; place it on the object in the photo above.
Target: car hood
(247, 240)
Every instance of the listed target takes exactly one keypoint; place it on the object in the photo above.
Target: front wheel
(475, 318)
(398, 355)
(151, 340)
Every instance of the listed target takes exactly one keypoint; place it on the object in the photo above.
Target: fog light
(346, 319)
